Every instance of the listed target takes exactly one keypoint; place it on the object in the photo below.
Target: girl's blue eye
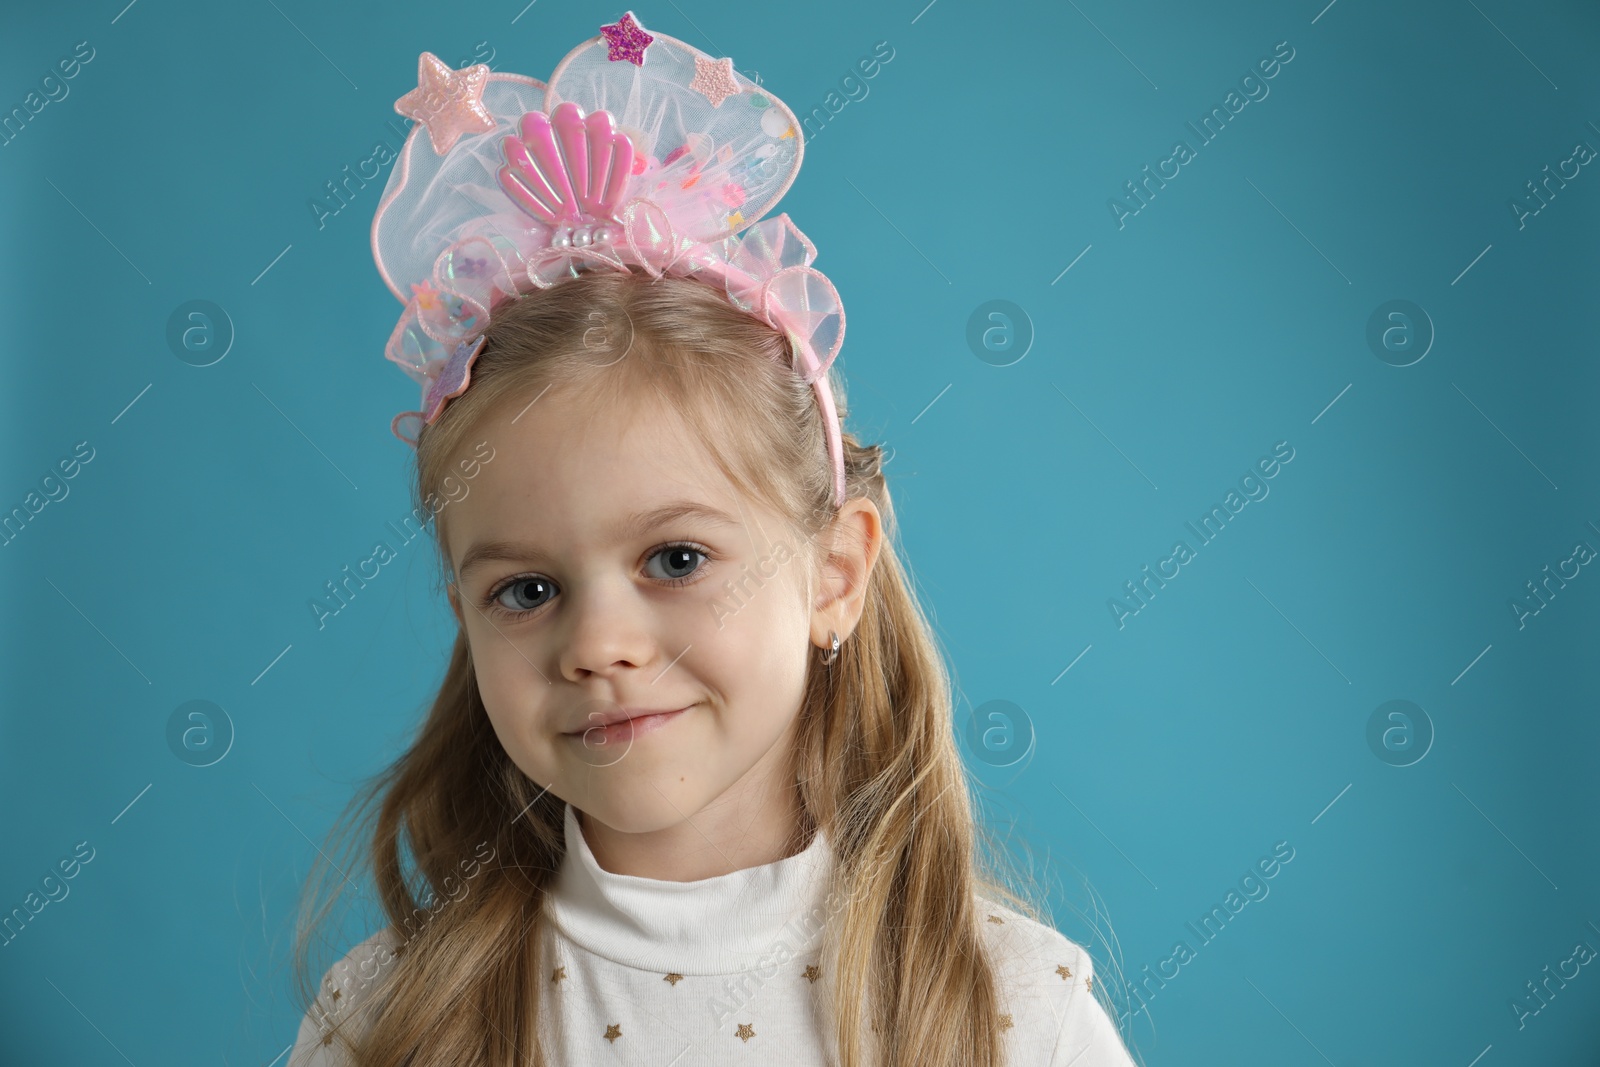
(680, 562)
(524, 594)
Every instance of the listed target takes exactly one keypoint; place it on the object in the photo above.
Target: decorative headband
(641, 150)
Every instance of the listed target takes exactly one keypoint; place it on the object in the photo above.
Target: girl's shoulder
(1026, 951)
(344, 999)
(1047, 988)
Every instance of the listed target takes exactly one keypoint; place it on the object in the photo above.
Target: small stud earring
(833, 652)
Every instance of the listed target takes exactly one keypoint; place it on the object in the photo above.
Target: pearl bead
(582, 237)
(562, 239)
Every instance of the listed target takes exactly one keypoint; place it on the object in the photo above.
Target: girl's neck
(748, 826)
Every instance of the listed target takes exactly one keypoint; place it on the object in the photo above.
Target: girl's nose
(607, 631)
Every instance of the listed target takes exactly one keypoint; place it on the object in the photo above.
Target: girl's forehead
(580, 446)
(571, 474)
(611, 404)
(575, 461)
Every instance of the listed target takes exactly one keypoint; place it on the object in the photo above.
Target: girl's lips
(627, 730)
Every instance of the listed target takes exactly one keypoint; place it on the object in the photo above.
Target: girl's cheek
(754, 599)
(501, 673)
(718, 612)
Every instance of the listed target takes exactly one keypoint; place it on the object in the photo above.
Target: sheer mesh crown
(641, 150)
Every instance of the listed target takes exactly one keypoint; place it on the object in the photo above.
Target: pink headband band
(641, 151)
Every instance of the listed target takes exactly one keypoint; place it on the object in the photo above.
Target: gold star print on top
(713, 971)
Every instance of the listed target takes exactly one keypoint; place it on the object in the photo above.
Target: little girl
(689, 791)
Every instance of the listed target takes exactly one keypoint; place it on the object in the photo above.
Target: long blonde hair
(876, 756)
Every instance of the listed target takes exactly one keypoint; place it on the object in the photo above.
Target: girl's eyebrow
(633, 526)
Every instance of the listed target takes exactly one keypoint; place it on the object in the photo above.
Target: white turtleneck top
(721, 971)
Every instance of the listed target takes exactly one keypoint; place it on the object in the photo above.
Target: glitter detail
(674, 978)
(448, 103)
(613, 1031)
(812, 972)
(1064, 972)
(1005, 1021)
(745, 1032)
(626, 40)
(713, 79)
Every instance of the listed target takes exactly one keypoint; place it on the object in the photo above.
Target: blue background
(1229, 314)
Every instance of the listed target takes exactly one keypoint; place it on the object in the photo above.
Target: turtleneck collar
(718, 925)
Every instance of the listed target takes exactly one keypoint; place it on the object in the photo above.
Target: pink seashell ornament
(564, 169)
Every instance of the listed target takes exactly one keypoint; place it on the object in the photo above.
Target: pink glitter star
(626, 39)
(448, 102)
(713, 78)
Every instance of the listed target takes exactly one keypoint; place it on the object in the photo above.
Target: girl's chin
(640, 806)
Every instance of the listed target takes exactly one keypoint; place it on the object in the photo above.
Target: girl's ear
(854, 541)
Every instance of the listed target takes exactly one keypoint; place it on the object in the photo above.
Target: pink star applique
(448, 102)
(626, 39)
(713, 79)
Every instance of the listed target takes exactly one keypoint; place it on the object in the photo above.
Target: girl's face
(604, 567)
